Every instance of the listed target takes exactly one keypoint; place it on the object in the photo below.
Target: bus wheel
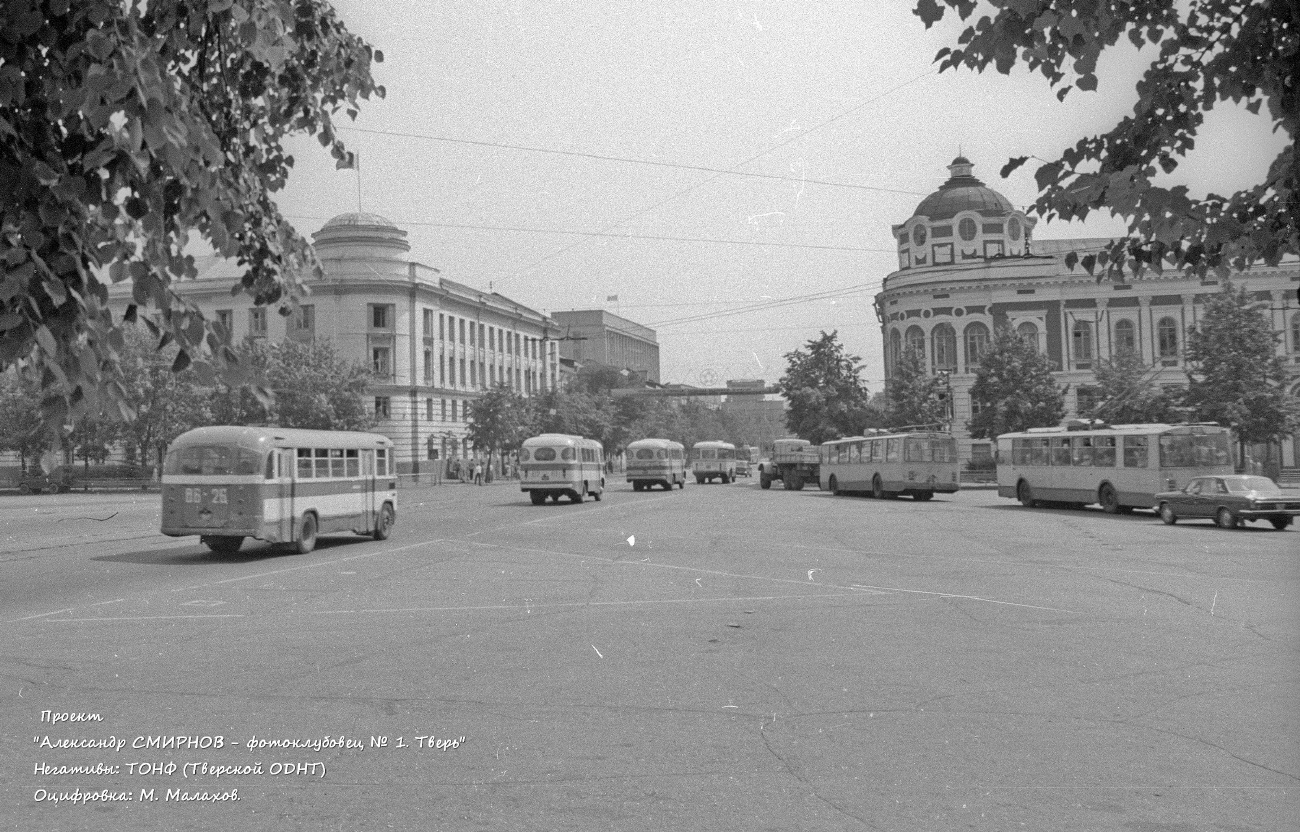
(384, 522)
(539, 497)
(835, 486)
(1225, 520)
(877, 488)
(1025, 495)
(764, 481)
(922, 496)
(555, 496)
(223, 545)
(579, 496)
(306, 535)
(1109, 499)
(595, 495)
(1167, 514)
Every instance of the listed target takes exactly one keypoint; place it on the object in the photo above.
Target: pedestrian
(478, 472)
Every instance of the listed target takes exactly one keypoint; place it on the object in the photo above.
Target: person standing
(478, 472)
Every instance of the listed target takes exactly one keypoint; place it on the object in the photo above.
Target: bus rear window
(544, 454)
(213, 461)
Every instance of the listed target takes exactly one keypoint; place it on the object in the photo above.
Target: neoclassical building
(967, 263)
(432, 344)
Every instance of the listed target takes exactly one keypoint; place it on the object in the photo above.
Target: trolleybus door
(281, 499)
(368, 485)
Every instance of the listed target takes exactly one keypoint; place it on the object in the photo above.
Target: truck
(792, 461)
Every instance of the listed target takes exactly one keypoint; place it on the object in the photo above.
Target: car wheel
(384, 522)
(1280, 523)
(1224, 519)
(1167, 514)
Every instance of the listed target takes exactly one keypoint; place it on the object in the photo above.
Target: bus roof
(910, 434)
(713, 443)
(251, 436)
(655, 443)
(1154, 429)
(556, 439)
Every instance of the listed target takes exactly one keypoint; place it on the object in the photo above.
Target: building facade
(596, 336)
(967, 264)
(433, 345)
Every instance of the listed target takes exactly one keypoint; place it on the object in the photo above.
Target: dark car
(1229, 501)
(36, 481)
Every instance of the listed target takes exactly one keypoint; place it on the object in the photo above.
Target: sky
(701, 161)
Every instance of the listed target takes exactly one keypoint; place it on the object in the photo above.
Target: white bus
(918, 463)
(711, 460)
(1122, 467)
(556, 464)
(278, 485)
(652, 462)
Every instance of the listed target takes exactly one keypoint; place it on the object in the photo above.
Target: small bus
(226, 483)
(652, 462)
(1122, 467)
(556, 464)
(918, 464)
(713, 459)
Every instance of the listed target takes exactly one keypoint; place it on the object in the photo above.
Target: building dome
(359, 218)
(963, 192)
(360, 234)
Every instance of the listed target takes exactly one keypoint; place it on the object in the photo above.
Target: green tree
(500, 420)
(1013, 388)
(24, 433)
(164, 403)
(295, 384)
(1207, 52)
(92, 437)
(580, 414)
(913, 396)
(823, 385)
(1235, 376)
(1126, 394)
(128, 125)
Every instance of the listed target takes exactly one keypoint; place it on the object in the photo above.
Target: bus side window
(354, 468)
(304, 463)
(367, 463)
(381, 462)
(270, 465)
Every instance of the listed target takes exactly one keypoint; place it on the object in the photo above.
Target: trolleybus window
(1103, 451)
(1135, 452)
(891, 449)
(1061, 451)
(1190, 450)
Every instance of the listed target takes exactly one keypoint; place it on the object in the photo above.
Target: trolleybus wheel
(835, 486)
(539, 497)
(1109, 499)
(796, 482)
(384, 522)
(1280, 523)
(1166, 512)
(877, 487)
(1224, 519)
(223, 545)
(1025, 495)
(306, 535)
(923, 495)
(764, 481)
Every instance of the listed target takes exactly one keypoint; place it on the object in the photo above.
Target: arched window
(1028, 333)
(915, 338)
(977, 342)
(967, 229)
(1167, 338)
(944, 339)
(895, 346)
(1081, 340)
(1125, 338)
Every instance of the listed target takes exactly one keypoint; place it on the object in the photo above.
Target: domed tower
(365, 237)
(963, 221)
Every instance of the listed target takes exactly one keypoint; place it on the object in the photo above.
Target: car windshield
(1259, 485)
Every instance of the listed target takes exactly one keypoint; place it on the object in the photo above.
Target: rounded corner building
(968, 263)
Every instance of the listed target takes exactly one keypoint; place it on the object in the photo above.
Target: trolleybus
(653, 462)
(1122, 467)
(279, 485)
(710, 460)
(557, 464)
(918, 464)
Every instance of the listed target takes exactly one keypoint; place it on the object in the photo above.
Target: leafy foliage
(124, 128)
(294, 384)
(166, 403)
(914, 397)
(1235, 375)
(23, 430)
(1208, 52)
(827, 397)
(1126, 394)
(500, 420)
(1013, 388)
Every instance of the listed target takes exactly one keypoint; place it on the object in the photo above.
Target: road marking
(965, 597)
(576, 604)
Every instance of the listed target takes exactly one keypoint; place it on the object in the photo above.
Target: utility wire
(772, 304)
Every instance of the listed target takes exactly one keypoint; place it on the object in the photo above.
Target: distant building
(432, 344)
(967, 264)
(762, 418)
(595, 336)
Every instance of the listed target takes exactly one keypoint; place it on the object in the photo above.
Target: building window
(462, 330)
(453, 410)
(916, 341)
(381, 316)
(1167, 338)
(380, 361)
(1029, 334)
(461, 375)
(1125, 338)
(304, 319)
(977, 342)
(1081, 336)
(944, 340)
(257, 323)
(918, 235)
(895, 346)
(226, 320)
(967, 229)
(428, 366)
(383, 407)
(1013, 228)
(444, 409)
(442, 327)
(428, 323)
(428, 410)
(941, 254)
